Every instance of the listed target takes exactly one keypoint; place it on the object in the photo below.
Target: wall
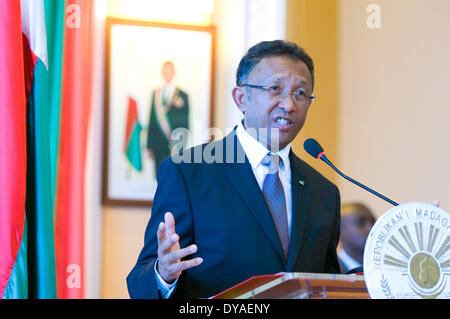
(123, 238)
(313, 26)
(394, 101)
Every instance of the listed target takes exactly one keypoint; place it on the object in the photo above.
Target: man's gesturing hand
(170, 265)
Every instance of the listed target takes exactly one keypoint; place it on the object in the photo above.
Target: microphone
(315, 150)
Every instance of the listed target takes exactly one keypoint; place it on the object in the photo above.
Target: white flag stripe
(33, 26)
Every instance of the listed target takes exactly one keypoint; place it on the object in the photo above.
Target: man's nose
(287, 102)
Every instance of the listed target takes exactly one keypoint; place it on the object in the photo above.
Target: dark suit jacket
(220, 208)
(178, 116)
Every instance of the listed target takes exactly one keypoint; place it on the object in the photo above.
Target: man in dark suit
(247, 205)
(169, 111)
(356, 222)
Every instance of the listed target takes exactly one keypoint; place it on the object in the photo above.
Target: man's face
(355, 229)
(263, 111)
(168, 72)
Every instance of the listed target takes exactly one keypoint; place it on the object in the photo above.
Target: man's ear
(240, 98)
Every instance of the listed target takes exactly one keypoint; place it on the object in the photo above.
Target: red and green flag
(45, 99)
(13, 154)
(132, 143)
(74, 116)
(39, 200)
(33, 275)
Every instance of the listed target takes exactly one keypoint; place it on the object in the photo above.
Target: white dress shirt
(167, 92)
(255, 153)
(347, 260)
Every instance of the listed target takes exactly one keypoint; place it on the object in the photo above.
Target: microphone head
(313, 148)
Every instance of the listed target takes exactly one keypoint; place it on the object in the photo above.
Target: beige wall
(313, 26)
(394, 97)
(123, 238)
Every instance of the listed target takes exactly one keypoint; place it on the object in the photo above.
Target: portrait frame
(136, 52)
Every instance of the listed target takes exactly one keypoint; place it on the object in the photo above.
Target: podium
(299, 286)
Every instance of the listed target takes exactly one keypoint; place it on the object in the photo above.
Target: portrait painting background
(136, 56)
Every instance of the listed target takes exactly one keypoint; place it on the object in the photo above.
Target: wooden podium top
(299, 286)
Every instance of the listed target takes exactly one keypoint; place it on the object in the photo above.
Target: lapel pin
(301, 182)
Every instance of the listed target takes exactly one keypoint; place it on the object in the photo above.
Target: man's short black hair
(267, 49)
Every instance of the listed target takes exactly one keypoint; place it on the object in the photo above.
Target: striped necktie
(276, 200)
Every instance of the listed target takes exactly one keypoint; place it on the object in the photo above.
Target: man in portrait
(169, 111)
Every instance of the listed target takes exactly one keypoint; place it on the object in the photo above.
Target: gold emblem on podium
(407, 253)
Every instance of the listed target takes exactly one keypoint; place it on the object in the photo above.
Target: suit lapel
(300, 208)
(244, 182)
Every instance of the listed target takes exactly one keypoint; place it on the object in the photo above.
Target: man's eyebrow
(279, 79)
(274, 79)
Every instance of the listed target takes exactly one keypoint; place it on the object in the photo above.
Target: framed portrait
(159, 78)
